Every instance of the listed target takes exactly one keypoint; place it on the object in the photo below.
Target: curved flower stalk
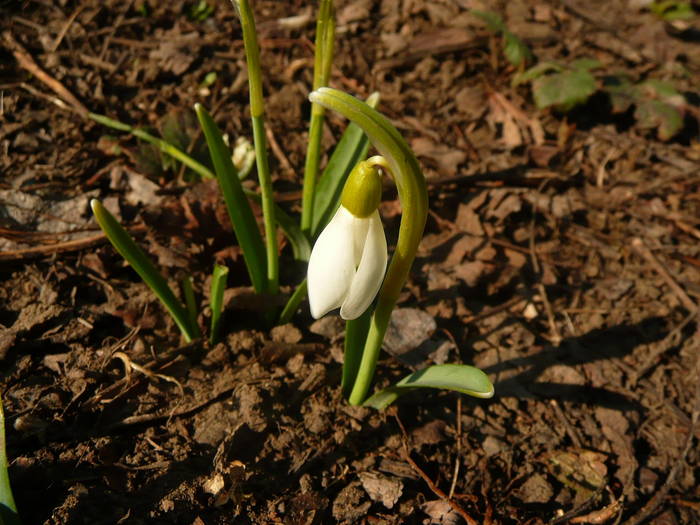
(410, 182)
(348, 261)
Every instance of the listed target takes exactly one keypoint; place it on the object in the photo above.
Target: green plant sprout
(657, 104)
(566, 86)
(514, 49)
(562, 87)
(347, 267)
(199, 11)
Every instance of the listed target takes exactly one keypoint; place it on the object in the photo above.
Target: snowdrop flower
(348, 261)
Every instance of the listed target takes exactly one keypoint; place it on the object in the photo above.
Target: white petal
(370, 272)
(332, 264)
(359, 237)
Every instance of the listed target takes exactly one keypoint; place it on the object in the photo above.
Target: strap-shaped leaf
(459, 378)
(242, 218)
(190, 302)
(164, 146)
(139, 261)
(216, 299)
(293, 303)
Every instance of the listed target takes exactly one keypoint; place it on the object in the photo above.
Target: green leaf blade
(163, 145)
(535, 72)
(459, 378)
(586, 64)
(242, 219)
(565, 90)
(139, 261)
(657, 114)
(293, 302)
(515, 50)
(216, 300)
(493, 21)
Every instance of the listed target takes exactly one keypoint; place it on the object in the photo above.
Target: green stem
(268, 205)
(413, 195)
(355, 337)
(313, 158)
(252, 55)
(257, 111)
(323, 58)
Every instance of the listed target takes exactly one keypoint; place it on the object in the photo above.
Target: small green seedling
(562, 87)
(200, 11)
(514, 49)
(657, 104)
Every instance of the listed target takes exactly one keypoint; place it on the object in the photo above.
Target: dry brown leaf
(470, 272)
(446, 159)
(468, 221)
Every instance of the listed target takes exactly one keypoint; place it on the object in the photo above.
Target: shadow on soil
(600, 345)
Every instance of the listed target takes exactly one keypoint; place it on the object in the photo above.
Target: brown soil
(562, 256)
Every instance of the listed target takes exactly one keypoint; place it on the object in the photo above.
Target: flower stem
(323, 58)
(355, 337)
(370, 354)
(252, 52)
(268, 205)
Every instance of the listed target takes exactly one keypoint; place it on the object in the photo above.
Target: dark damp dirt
(561, 255)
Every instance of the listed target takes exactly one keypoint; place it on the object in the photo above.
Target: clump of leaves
(561, 87)
(657, 104)
(514, 49)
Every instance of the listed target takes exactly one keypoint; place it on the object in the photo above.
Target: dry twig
(436, 490)
(26, 61)
(645, 252)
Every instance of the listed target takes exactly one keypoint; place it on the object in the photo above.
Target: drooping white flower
(347, 264)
